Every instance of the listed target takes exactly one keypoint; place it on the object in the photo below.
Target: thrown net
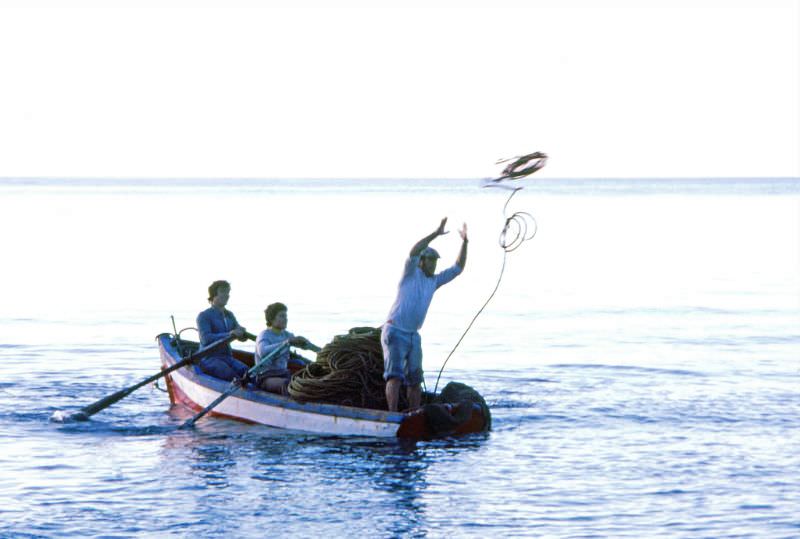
(522, 166)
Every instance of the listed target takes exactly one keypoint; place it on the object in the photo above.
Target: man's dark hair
(216, 285)
(272, 311)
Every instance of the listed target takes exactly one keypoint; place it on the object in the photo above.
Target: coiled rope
(348, 371)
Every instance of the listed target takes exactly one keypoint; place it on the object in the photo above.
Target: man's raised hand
(441, 231)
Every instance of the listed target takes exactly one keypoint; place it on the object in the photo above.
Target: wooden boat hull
(190, 387)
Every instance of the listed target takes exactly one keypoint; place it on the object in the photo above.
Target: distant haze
(241, 89)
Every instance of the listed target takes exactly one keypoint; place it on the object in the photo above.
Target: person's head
(427, 261)
(218, 293)
(276, 316)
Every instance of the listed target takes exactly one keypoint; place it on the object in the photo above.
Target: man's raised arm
(462, 254)
(421, 244)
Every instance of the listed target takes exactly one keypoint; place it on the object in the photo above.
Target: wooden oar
(105, 402)
(236, 384)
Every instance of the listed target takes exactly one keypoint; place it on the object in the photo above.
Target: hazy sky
(399, 89)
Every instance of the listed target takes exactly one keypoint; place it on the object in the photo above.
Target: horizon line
(376, 178)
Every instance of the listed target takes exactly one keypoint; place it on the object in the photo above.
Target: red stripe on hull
(178, 397)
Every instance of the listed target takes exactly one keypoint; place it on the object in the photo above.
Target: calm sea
(641, 358)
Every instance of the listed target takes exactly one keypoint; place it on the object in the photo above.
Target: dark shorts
(402, 355)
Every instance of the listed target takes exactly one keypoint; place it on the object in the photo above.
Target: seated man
(275, 378)
(217, 323)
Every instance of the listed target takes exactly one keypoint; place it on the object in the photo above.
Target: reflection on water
(337, 484)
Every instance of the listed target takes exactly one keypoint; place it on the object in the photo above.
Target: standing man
(216, 323)
(402, 347)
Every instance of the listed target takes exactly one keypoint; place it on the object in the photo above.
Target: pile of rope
(348, 371)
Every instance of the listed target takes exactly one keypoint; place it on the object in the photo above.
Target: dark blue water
(641, 360)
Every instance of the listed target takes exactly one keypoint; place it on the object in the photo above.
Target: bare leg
(393, 393)
(414, 396)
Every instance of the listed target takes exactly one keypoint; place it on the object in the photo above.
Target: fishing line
(519, 227)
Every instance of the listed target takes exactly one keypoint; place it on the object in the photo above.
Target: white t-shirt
(268, 341)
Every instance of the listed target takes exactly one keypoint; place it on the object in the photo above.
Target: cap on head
(429, 252)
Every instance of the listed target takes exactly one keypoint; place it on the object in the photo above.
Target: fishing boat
(455, 411)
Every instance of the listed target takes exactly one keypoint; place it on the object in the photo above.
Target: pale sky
(673, 88)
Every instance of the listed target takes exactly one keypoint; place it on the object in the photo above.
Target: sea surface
(641, 358)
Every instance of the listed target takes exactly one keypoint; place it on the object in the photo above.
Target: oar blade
(87, 411)
(60, 416)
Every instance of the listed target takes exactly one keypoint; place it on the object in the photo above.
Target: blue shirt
(414, 294)
(213, 325)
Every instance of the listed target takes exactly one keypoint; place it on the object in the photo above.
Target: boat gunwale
(165, 342)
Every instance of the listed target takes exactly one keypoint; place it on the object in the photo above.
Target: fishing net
(348, 371)
(523, 166)
(458, 392)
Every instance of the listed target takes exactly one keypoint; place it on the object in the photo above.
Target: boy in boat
(400, 340)
(276, 377)
(216, 323)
